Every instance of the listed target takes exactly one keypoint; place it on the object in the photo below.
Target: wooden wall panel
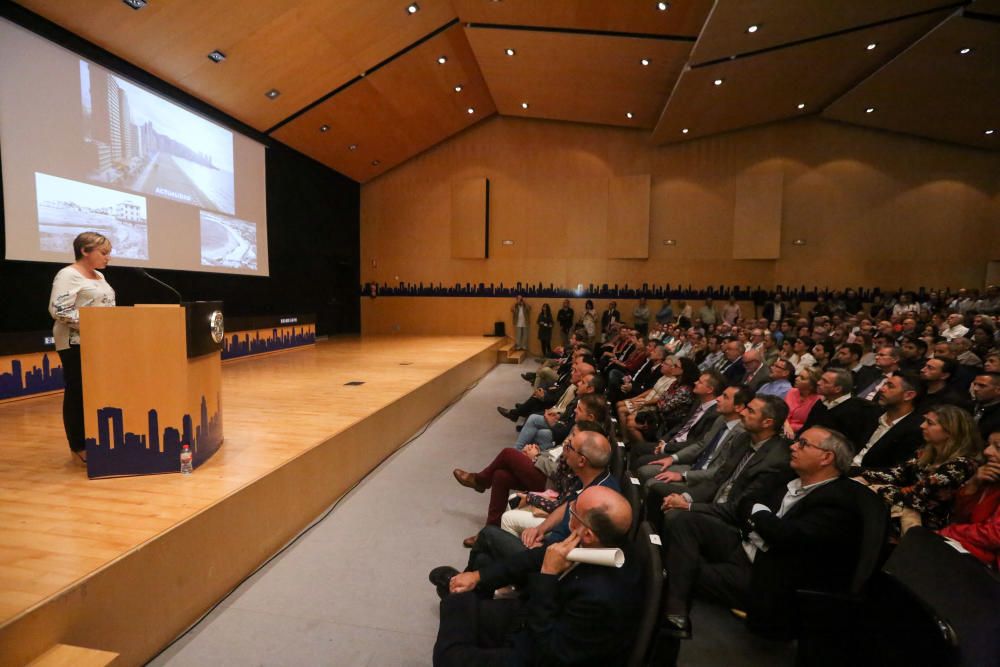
(875, 209)
(757, 215)
(628, 217)
(469, 218)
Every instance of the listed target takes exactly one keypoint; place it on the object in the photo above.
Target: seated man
(576, 614)
(780, 382)
(841, 411)
(803, 535)
(588, 455)
(897, 436)
(550, 428)
(557, 396)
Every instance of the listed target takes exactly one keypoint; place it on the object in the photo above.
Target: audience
(899, 395)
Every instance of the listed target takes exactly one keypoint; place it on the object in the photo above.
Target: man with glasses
(887, 363)
(573, 613)
(780, 383)
(805, 534)
(840, 410)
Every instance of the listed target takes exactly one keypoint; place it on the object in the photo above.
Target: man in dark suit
(732, 362)
(986, 390)
(755, 460)
(897, 436)
(574, 614)
(803, 534)
(840, 411)
(886, 363)
(848, 356)
(938, 373)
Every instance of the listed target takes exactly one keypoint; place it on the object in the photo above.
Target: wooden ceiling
(368, 70)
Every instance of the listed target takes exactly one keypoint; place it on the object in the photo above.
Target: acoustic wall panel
(470, 218)
(628, 217)
(757, 215)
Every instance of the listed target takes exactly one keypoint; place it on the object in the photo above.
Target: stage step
(506, 354)
(64, 655)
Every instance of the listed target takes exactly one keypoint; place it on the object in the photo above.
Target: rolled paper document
(597, 556)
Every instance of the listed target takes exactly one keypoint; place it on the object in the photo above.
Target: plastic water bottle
(186, 466)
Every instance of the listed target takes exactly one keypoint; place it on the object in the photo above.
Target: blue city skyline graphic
(116, 452)
(233, 346)
(18, 382)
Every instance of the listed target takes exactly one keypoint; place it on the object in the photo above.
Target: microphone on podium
(139, 269)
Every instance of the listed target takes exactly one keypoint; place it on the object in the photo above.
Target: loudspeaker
(499, 329)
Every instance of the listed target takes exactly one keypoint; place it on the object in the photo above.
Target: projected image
(141, 142)
(228, 242)
(67, 208)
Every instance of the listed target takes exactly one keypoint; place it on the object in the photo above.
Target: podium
(152, 380)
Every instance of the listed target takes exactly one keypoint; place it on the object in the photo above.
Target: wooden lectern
(152, 379)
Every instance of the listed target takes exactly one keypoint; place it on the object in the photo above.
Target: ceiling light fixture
(524, 105)
(216, 56)
(685, 131)
(718, 82)
(871, 47)
(752, 29)
(801, 105)
(645, 62)
(965, 50)
(376, 163)
(272, 94)
(458, 88)
(135, 4)
(870, 110)
(663, 6)
(989, 132)
(470, 110)
(324, 128)
(413, 8)
(628, 114)
(442, 60)
(509, 52)
(352, 147)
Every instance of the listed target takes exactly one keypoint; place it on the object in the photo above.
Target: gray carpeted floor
(353, 590)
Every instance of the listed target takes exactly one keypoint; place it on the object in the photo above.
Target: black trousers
(474, 631)
(704, 554)
(73, 398)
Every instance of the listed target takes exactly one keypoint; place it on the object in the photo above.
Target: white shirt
(71, 291)
(830, 405)
(956, 331)
(803, 362)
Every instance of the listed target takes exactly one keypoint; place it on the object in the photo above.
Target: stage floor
(58, 529)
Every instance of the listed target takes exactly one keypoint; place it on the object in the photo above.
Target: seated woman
(929, 483)
(975, 518)
(800, 399)
(670, 409)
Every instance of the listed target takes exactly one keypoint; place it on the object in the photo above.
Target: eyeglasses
(572, 513)
(803, 443)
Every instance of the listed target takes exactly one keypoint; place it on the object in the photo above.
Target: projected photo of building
(66, 208)
(228, 242)
(139, 141)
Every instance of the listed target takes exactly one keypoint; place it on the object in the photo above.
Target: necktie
(705, 457)
(681, 435)
(723, 494)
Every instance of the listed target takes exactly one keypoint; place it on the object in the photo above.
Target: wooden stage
(127, 564)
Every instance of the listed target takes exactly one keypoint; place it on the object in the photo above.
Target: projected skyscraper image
(141, 142)
(67, 208)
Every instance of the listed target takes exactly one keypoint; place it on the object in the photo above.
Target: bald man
(574, 613)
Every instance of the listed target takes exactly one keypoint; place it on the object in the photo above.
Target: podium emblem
(215, 321)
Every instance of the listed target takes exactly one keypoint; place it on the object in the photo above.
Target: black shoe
(676, 626)
(519, 427)
(528, 377)
(509, 414)
(440, 577)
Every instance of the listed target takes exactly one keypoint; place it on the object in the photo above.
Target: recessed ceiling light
(752, 29)
(965, 50)
(216, 56)
(801, 105)
(273, 93)
(458, 88)
(324, 128)
(645, 62)
(442, 60)
(990, 131)
(870, 110)
(871, 47)
(376, 163)
(135, 4)
(470, 110)
(628, 114)
(352, 147)
(509, 52)
(718, 82)
(524, 105)
(684, 131)
(413, 8)
(663, 6)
